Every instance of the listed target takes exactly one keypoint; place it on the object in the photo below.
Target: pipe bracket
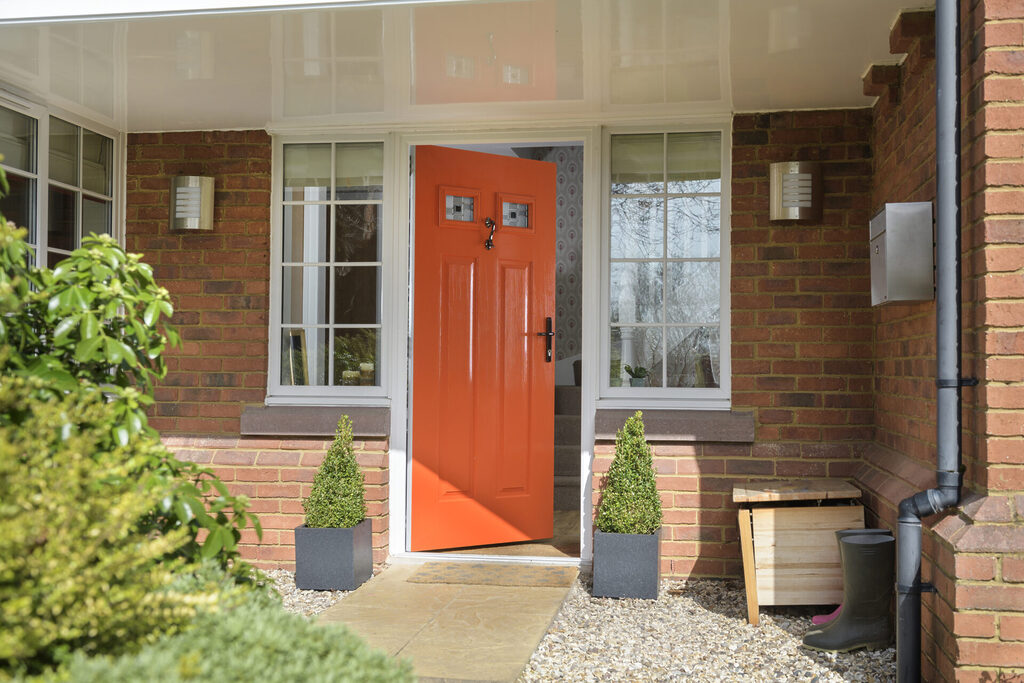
(959, 382)
(922, 587)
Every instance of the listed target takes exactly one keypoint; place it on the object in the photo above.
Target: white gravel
(694, 631)
(306, 603)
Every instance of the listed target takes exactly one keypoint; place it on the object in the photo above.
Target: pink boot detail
(820, 619)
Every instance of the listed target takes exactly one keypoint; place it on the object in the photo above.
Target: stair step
(567, 430)
(567, 460)
(568, 400)
(567, 493)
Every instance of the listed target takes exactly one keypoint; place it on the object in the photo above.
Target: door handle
(548, 334)
(489, 223)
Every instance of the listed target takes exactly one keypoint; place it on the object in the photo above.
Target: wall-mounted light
(796, 190)
(192, 203)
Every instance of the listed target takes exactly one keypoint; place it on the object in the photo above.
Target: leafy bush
(93, 325)
(76, 571)
(336, 500)
(630, 503)
(257, 641)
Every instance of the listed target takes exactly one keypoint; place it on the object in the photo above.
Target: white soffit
(391, 63)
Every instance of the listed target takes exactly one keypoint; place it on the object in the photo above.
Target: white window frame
(665, 397)
(280, 394)
(42, 114)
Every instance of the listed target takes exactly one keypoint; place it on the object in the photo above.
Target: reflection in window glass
(97, 151)
(18, 205)
(356, 227)
(63, 151)
(339, 298)
(304, 356)
(665, 260)
(641, 349)
(359, 169)
(304, 233)
(356, 353)
(17, 140)
(62, 220)
(307, 172)
(95, 216)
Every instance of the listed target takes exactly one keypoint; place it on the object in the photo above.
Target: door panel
(483, 395)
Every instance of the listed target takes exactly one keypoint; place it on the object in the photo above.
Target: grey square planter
(333, 559)
(626, 565)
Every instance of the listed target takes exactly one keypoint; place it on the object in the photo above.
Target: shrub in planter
(628, 523)
(333, 548)
(257, 641)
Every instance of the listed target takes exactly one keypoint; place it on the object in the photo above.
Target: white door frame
(399, 460)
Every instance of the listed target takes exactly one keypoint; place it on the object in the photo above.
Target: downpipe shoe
(865, 621)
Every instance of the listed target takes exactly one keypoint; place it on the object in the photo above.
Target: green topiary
(630, 502)
(76, 570)
(256, 641)
(336, 500)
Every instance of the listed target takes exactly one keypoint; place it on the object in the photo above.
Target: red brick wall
(970, 554)
(218, 280)
(801, 338)
(219, 284)
(801, 316)
(277, 475)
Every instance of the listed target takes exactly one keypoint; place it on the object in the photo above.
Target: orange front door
(483, 383)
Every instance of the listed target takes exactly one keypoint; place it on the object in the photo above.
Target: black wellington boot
(819, 621)
(868, 564)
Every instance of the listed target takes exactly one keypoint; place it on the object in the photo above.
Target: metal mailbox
(902, 254)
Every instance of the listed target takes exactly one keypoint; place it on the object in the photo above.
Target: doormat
(493, 574)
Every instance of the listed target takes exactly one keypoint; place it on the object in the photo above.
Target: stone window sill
(367, 421)
(719, 426)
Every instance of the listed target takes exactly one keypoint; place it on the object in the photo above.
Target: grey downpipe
(946, 494)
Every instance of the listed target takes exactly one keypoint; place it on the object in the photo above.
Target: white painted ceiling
(430, 63)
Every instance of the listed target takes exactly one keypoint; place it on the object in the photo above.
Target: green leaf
(121, 435)
(213, 544)
(114, 350)
(152, 313)
(89, 326)
(63, 329)
(88, 348)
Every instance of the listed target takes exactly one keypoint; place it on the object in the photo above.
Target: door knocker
(489, 223)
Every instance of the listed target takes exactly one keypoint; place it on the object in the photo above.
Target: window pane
(63, 151)
(640, 349)
(638, 228)
(694, 227)
(62, 220)
(359, 171)
(695, 162)
(636, 292)
(356, 295)
(305, 234)
(303, 356)
(18, 140)
(95, 216)
(356, 355)
(18, 206)
(307, 172)
(693, 357)
(638, 164)
(54, 257)
(304, 295)
(693, 292)
(355, 233)
(97, 151)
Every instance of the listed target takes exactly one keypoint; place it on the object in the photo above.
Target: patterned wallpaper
(569, 250)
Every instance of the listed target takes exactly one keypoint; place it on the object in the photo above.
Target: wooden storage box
(790, 554)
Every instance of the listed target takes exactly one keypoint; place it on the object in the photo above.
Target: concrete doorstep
(450, 632)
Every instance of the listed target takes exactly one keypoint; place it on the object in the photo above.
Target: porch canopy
(158, 65)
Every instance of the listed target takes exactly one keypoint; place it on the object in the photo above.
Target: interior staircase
(567, 448)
